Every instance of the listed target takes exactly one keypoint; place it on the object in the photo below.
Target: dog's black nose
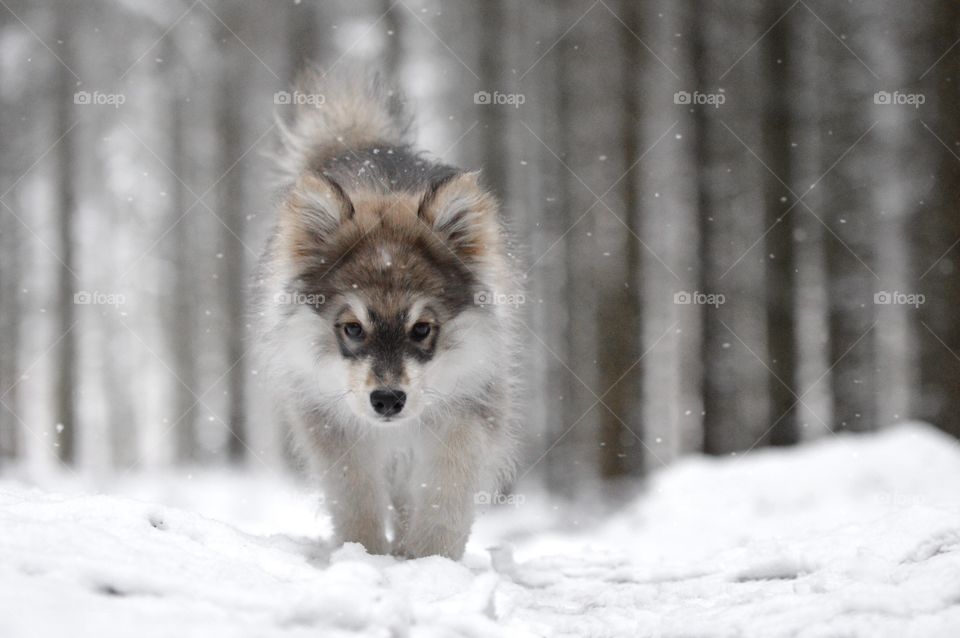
(388, 402)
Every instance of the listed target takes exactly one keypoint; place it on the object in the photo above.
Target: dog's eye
(353, 330)
(420, 331)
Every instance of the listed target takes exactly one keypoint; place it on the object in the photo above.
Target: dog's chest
(398, 454)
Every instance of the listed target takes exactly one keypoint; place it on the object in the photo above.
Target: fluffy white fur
(408, 485)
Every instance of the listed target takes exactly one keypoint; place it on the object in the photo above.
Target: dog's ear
(462, 213)
(311, 213)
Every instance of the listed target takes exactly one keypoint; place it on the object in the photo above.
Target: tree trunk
(711, 352)
(938, 251)
(183, 295)
(491, 67)
(813, 415)
(619, 314)
(10, 312)
(65, 414)
(393, 52)
(231, 210)
(848, 214)
(10, 286)
(572, 456)
(304, 46)
(731, 296)
(781, 267)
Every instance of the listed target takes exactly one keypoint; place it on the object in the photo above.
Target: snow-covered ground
(851, 536)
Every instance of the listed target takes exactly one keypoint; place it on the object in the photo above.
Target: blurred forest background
(738, 219)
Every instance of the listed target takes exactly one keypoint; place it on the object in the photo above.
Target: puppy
(384, 321)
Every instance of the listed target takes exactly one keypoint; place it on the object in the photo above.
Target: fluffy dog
(384, 321)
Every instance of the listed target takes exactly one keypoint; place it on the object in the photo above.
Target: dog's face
(390, 322)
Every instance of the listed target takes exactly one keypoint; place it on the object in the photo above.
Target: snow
(849, 536)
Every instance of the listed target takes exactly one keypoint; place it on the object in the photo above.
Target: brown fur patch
(313, 210)
(464, 214)
(386, 253)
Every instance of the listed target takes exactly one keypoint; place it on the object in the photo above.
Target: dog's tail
(334, 113)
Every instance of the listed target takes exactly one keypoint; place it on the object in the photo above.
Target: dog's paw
(435, 541)
(373, 544)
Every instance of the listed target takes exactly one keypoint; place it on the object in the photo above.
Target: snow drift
(851, 536)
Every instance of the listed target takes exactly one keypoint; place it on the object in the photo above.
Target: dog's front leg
(444, 486)
(356, 494)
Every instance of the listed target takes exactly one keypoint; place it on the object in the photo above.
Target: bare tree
(807, 113)
(304, 42)
(493, 77)
(850, 233)
(65, 414)
(714, 407)
(181, 244)
(394, 51)
(10, 304)
(10, 284)
(937, 255)
(619, 312)
(10, 328)
(572, 451)
(668, 173)
(780, 214)
(730, 212)
(900, 162)
(231, 210)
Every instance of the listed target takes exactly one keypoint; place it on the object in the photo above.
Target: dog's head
(385, 291)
